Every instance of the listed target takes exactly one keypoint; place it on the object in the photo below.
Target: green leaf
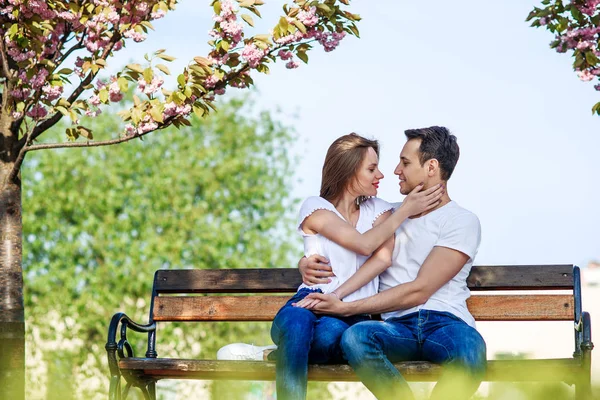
(224, 45)
(300, 26)
(591, 58)
(65, 71)
(123, 84)
(181, 80)
(217, 7)
(163, 68)
(148, 74)
(166, 57)
(248, 19)
(302, 55)
(85, 132)
(103, 94)
(62, 110)
(135, 67)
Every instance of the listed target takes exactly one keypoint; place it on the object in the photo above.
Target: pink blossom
(308, 18)
(52, 92)
(37, 112)
(253, 55)
(291, 65)
(285, 54)
(597, 87)
(585, 75)
(114, 93)
(130, 130)
(16, 114)
(220, 91)
(136, 36)
(158, 14)
(227, 9)
(147, 127)
(543, 21)
(93, 113)
(211, 81)
(94, 100)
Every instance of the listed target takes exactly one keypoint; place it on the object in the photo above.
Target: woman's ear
(433, 166)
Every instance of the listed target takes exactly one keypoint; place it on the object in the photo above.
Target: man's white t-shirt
(449, 226)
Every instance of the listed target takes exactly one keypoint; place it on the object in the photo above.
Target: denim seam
(380, 354)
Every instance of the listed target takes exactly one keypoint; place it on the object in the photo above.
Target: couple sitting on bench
(407, 261)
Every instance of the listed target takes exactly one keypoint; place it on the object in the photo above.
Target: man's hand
(315, 270)
(327, 304)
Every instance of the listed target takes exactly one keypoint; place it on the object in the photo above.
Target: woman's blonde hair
(342, 161)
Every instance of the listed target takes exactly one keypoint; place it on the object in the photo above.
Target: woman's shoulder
(376, 203)
(312, 204)
(316, 201)
(375, 206)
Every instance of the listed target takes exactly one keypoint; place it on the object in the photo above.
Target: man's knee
(471, 354)
(357, 339)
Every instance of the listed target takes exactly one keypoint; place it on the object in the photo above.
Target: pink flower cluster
(330, 40)
(38, 111)
(253, 54)
(589, 7)
(308, 17)
(227, 26)
(152, 87)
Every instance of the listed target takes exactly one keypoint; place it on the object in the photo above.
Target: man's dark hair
(437, 142)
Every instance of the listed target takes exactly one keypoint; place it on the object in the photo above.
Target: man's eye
(372, 170)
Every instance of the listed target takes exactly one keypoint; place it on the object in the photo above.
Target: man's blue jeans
(302, 338)
(440, 337)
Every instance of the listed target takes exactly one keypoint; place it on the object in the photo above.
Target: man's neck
(443, 201)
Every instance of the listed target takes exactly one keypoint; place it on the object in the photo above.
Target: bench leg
(152, 390)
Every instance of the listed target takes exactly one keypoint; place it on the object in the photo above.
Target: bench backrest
(249, 294)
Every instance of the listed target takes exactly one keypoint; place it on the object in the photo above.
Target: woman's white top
(344, 262)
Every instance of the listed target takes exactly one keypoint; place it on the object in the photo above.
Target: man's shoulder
(454, 214)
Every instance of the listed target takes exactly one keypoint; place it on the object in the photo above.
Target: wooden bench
(546, 293)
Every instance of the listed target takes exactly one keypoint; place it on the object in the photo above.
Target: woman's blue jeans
(303, 337)
(372, 347)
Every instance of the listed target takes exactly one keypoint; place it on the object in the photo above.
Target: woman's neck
(346, 205)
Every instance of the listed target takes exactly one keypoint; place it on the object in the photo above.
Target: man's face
(409, 169)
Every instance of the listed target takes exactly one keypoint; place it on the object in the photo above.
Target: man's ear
(433, 166)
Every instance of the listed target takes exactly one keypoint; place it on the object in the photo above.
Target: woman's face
(366, 180)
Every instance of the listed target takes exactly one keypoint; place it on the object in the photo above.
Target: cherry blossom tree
(52, 54)
(576, 26)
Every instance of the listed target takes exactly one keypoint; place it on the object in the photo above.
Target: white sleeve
(462, 233)
(309, 206)
(379, 207)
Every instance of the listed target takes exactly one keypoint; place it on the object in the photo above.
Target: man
(422, 296)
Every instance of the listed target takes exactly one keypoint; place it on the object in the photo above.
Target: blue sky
(529, 141)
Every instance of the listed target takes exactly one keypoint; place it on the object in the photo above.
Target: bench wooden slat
(264, 308)
(498, 370)
(497, 277)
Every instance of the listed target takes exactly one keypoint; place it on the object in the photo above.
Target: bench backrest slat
(263, 308)
(281, 280)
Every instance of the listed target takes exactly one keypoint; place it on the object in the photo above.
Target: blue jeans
(372, 347)
(303, 337)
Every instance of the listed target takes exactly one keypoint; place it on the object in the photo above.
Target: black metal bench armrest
(122, 347)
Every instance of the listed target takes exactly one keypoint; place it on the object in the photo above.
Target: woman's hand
(309, 302)
(419, 201)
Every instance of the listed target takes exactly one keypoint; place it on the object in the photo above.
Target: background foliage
(101, 221)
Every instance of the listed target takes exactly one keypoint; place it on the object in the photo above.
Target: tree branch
(50, 122)
(111, 142)
(4, 60)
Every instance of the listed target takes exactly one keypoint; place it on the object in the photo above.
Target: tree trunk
(12, 314)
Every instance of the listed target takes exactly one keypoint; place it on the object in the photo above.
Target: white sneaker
(243, 351)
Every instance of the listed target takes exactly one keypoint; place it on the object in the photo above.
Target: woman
(350, 227)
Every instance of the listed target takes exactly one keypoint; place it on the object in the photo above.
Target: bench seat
(560, 369)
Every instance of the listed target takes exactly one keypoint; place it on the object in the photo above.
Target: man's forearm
(401, 297)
